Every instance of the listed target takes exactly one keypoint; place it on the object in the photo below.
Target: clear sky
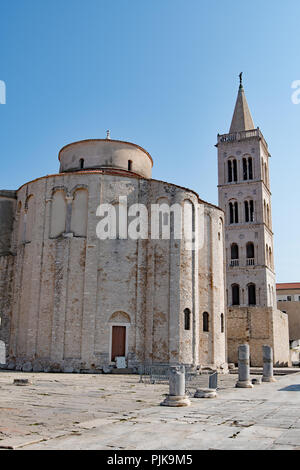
(159, 73)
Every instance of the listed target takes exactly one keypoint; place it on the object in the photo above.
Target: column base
(244, 384)
(205, 393)
(173, 400)
(269, 379)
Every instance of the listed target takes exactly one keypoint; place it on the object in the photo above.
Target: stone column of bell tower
(245, 197)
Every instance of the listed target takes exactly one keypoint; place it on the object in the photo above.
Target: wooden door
(118, 347)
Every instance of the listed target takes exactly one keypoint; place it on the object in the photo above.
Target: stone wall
(293, 311)
(6, 284)
(70, 288)
(258, 326)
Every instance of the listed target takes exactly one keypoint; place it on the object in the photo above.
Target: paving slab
(73, 411)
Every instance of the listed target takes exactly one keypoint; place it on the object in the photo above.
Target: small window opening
(187, 319)
(205, 322)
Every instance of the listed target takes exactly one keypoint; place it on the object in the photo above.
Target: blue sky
(162, 74)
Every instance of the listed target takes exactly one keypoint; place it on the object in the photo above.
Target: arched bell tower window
(233, 213)
(251, 294)
(232, 170)
(250, 250)
(250, 253)
(187, 319)
(249, 211)
(247, 169)
(81, 163)
(129, 165)
(234, 253)
(205, 319)
(235, 288)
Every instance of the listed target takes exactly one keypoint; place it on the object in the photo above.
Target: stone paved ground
(70, 411)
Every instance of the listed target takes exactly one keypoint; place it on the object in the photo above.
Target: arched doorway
(119, 324)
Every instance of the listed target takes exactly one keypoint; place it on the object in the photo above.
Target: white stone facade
(63, 290)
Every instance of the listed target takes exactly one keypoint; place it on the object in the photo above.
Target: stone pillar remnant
(244, 367)
(268, 364)
(177, 396)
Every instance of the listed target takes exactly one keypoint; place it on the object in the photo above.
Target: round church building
(102, 266)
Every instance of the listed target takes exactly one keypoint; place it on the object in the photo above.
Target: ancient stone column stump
(177, 396)
(205, 393)
(244, 367)
(173, 400)
(268, 364)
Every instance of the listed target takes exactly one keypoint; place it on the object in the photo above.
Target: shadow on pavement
(290, 388)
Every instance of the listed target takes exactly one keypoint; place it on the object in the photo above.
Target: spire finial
(108, 134)
(241, 79)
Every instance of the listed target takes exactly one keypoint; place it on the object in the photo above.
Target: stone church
(70, 301)
(245, 197)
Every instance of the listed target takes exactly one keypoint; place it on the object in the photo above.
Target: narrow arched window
(245, 170)
(234, 251)
(233, 213)
(251, 294)
(236, 212)
(235, 288)
(229, 169)
(222, 322)
(249, 211)
(187, 319)
(205, 322)
(231, 217)
(234, 170)
(129, 165)
(250, 168)
(250, 250)
(246, 204)
(81, 163)
(268, 215)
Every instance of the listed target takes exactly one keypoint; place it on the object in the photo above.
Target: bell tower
(245, 197)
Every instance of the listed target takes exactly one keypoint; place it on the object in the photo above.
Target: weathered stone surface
(244, 367)
(2, 353)
(176, 395)
(64, 294)
(177, 381)
(205, 393)
(113, 412)
(268, 364)
(27, 367)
